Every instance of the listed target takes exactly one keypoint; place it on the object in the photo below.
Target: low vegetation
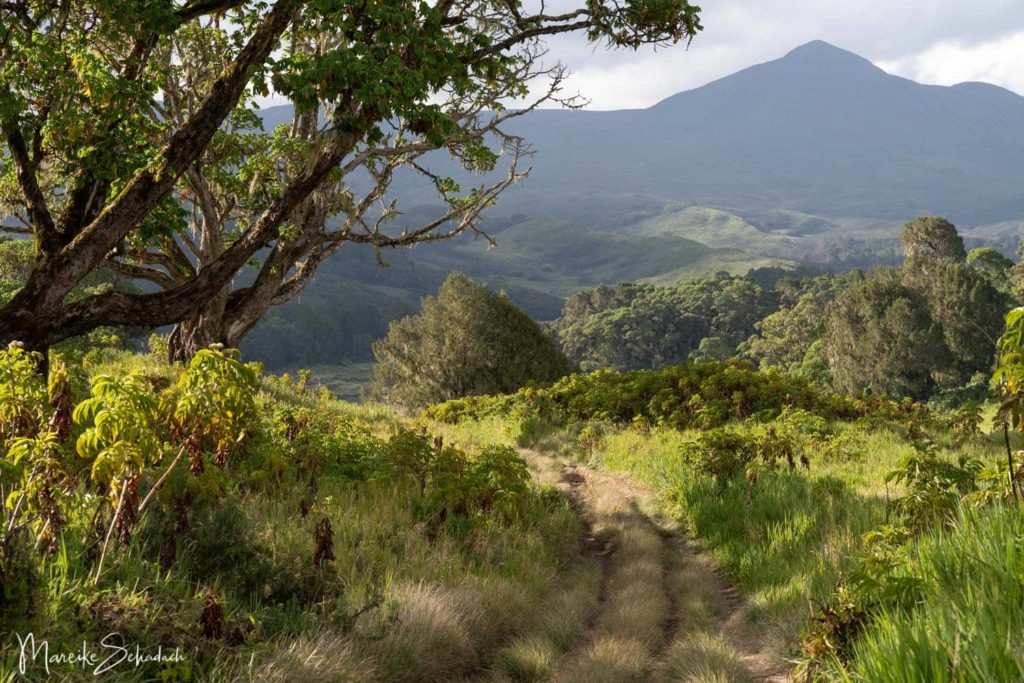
(258, 527)
(917, 330)
(693, 395)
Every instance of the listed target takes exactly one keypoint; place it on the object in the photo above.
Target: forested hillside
(538, 262)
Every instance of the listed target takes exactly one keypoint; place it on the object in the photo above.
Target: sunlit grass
(968, 623)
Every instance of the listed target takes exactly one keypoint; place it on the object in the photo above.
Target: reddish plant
(323, 537)
(211, 621)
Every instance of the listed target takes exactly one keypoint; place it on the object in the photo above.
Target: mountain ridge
(816, 130)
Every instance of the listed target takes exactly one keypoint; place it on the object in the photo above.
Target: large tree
(931, 239)
(468, 340)
(787, 339)
(129, 132)
(931, 324)
(880, 336)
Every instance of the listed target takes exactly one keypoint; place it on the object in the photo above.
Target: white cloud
(999, 61)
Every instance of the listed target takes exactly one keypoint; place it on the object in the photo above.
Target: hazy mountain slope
(821, 131)
(537, 262)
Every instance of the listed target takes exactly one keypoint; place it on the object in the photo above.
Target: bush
(692, 395)
(721, 454)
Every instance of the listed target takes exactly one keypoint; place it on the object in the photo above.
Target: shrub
(692, 395)
(721, 454)
(466, 341)
(934, 487)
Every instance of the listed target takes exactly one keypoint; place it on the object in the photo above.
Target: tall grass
(788, 539)
(783, 541)
(967, 626)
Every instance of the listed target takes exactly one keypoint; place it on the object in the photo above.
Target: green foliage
(881, 337)
(1008, 382)
(632, 326)
(82, 93)
(403, 509)
(215, 402)
(932, 238)
(702, 395)
(929, 607)
(35, 470)
(965, 422)
(934, 487)
(16, 257)
(121, 436)
(721, 454)
(19, 582)
(790, 338)
(503, 480)
(964, 613)
(452, 482)
(712, 348)
(992, 263)
(878, 578)
(45, 482)
(23, 393)
(157, 345)
(466, 341)
(968, 309)
(926, 326)
(1008, 378)
(884, 585)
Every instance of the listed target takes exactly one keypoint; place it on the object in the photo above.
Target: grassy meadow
(701, 522)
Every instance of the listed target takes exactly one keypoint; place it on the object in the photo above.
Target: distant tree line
(912, 330)
(633, 326)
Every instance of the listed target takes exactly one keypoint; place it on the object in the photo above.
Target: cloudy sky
(931, 41)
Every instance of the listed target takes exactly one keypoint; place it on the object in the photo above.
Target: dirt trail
(661, 612)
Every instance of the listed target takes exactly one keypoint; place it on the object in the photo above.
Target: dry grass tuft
(529, 659)
(430, 639)
(609, 660)
(326, 656)
(702, 658)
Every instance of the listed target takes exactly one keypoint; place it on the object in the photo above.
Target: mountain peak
(813, 62)
(827, 54)
(815, 46)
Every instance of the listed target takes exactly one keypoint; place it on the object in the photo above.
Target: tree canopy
(932, 237)
(787, 339)
(131, 140)
(881, 337)
(932, 323)
(466, 341)
(631, 326)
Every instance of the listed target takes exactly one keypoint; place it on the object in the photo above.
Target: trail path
(661, 611)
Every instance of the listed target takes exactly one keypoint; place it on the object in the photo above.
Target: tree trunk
(189, 336)
(198, 331)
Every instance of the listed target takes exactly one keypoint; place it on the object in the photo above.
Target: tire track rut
(661, 611)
